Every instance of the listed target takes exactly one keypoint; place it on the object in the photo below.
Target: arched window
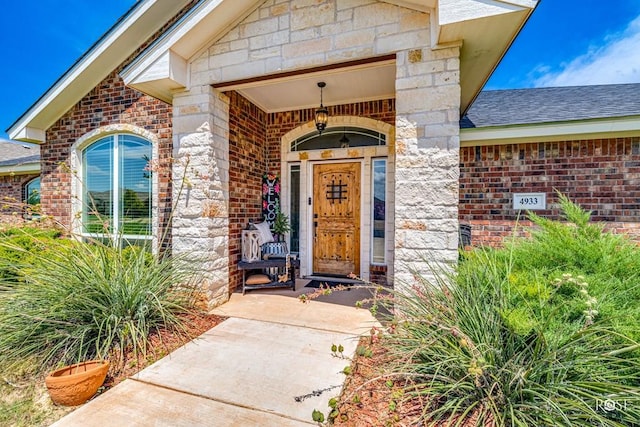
(32, 192)
(339, 137)
(116, 196)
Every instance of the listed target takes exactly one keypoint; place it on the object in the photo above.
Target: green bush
(18, 244)
(81, 301)
(544, 332)
(561, 254)
(470, 353)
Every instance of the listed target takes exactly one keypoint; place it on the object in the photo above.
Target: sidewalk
(269, 364)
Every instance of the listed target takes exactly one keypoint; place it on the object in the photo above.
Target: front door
(336, 219)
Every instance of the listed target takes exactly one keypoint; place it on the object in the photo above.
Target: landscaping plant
(77, 301)
(543, 332)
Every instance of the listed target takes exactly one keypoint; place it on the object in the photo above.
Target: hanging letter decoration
(270, 197)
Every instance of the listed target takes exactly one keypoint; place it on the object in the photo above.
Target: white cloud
(616, 61)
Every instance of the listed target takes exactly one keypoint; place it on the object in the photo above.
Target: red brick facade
(601, 175)
(247, 163)
(12, 197)
(109, 103)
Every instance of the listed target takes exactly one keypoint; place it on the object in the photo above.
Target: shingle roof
(17, 153)
(554, 104)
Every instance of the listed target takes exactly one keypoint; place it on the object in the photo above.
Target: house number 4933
(529, 201)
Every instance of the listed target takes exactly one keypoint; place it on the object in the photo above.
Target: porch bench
(258, 267)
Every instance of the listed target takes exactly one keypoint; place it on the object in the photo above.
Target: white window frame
(77, 180)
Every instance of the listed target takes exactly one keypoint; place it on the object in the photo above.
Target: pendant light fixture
(322, 114)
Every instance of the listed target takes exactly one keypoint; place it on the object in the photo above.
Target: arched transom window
(339, 137)
(117, 187)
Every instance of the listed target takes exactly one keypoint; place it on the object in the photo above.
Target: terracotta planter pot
(75, 384)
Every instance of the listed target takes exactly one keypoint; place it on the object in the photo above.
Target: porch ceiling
(346, 84)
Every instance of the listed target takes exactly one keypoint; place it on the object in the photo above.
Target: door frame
(366, 155)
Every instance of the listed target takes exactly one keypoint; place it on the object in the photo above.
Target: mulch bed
(372, 396)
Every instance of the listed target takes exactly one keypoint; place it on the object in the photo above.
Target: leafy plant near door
(281, 226)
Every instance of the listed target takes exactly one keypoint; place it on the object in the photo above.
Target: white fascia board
(22, 169)
(169, 67)
(547, 132)
(83, 76)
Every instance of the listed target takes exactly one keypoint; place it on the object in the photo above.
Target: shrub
(544, 332)
(463, 351)
(81, 301)
(23, 244)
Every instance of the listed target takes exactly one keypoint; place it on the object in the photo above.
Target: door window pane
(294, 209)
(378, 208)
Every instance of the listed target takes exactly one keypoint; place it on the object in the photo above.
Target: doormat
(324, 283)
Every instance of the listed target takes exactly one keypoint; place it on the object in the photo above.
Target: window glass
(117, 186)
(135, 186)
(294, 209)
(379, 177)
(343, 137)
(32, 192)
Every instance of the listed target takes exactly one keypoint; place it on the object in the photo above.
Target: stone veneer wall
(201, 221)
(601, 175)
(290, 35)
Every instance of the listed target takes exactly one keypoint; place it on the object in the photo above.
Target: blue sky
(565, 42)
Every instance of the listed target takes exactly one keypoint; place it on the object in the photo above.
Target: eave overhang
(486, 29)
(127, 35)
(483, 28)
(31, 168)
(617, 127)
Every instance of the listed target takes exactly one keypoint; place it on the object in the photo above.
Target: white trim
(77, 178)
(118, 44)
(21, 169)
(364, 155)
(546, 132)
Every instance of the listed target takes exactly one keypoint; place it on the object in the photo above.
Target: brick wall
(12, 197)
(110, 102)
(601, 175)
(247, 163)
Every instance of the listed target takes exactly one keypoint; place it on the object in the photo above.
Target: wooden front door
(336, 219)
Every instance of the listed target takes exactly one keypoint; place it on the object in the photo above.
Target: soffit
(354, 83)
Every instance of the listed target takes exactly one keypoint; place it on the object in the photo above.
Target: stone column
(427, 161)
(201, 186)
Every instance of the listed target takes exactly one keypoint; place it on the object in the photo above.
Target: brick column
(201, 185)
(427, 161)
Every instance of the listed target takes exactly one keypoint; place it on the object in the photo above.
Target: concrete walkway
(269, 364)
